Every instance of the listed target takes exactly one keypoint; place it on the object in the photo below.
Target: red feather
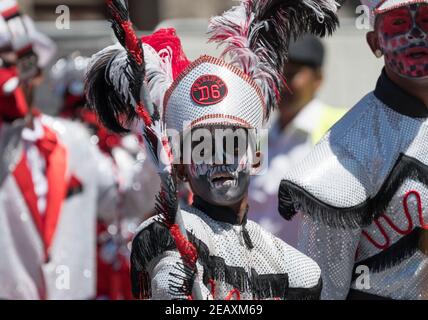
(164, 38)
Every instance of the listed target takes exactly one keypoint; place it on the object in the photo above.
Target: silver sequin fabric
(346, 169)
(269, 256)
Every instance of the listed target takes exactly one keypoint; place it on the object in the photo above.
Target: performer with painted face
(364, 188)
(208, 250)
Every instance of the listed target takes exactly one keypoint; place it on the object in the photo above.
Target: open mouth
(223, 179)
(417, 53)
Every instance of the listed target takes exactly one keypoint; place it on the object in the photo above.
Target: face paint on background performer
(403, 38)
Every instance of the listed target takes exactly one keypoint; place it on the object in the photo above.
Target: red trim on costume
(377, 10)
(184, 246)
(142, 112)
(22, 175)
(220, 116)
(233, 292)
(408, 216)
(56, 167)
(12, 105)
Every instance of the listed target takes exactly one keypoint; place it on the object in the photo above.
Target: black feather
(257, 34)
(103, 98)
(287, 20)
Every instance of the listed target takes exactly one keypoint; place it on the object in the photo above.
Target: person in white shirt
(301, 121)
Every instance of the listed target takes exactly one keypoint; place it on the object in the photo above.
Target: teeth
(222, 172)
(227, 183)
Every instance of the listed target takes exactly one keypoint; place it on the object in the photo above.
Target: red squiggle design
(385, 235)
(407, 213)
(391, 223)
(420, 209)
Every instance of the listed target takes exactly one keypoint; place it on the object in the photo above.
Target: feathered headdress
(257, 34)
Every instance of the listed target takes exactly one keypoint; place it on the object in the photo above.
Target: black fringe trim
(181, 282)
(148, 244)
(361, 295)
(400, 251)
(313, 293)
(293, 198)
(155, 240)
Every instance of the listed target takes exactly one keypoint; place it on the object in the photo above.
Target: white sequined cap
(211, 91)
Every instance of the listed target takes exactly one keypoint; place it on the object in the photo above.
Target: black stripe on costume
(293, 198)
(154, 240)
(400, 251)
(361, 295)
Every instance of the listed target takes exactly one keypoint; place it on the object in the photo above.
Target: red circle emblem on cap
(208, 90)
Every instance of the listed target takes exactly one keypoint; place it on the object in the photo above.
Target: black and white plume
(257, 34)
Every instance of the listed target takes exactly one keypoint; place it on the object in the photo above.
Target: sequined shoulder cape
(350, 177)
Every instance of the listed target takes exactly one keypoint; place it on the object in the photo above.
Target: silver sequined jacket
(363, 192)
(230, 265)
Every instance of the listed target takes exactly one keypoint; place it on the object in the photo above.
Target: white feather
(158, 72)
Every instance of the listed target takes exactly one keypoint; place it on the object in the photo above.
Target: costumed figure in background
(134, 172)
(208, 250)
(49, 197)
(363, 190)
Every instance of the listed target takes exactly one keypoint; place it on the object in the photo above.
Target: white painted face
(223, 180)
